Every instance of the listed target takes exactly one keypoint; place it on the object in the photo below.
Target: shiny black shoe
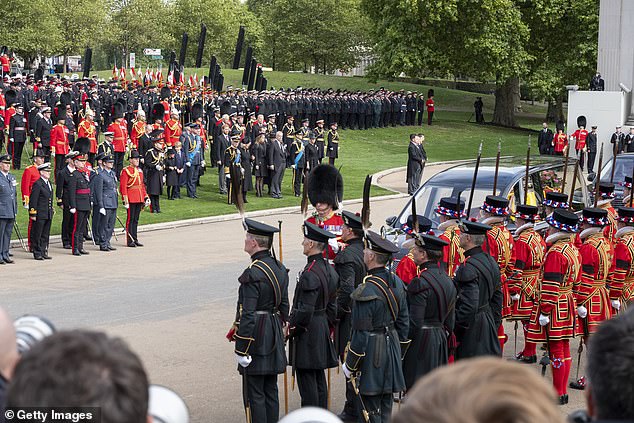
(67, 247)
(346, 416)
(38, 258)
(579, 384)
(104, 249)
(111, 248)
(528, 359)
(132, 244)
(138, 244)
(76, 253)
(563, 400)
(9, 261)
(47, 257)
(83, 252)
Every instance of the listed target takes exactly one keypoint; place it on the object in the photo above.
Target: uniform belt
(382, 330)
(597, 284)
(19, 129)
(83, 191)
(565, 290)
(531, 272)
(486, 307)
(273, 311)
(431, 325)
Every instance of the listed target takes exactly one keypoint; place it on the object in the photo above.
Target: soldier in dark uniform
(62, 194)
(8, 207)
(380, 325)
(43, 132)
(478, 105)
(154, 172)
(591, 143)
(106, 197)
(312, 154)
(79, 204)
(479, 305)
(431, 297)
(298, 164)
(41, 212)
(314, 312)
(351, 269)
(333, 144)
(106, 148)
(320, 133)
(17, 135)
(262, 310)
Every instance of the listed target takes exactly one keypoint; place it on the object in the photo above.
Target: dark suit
(41, 207)
(277, 159)
(79, 199)
(544, 141)
(591, 143)
(63, 200)
(415, 160)
(618, 138)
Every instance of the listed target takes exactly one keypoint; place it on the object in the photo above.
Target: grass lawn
(451, 137)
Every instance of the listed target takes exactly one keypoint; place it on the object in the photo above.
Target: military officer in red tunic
(407, 269)
(606, 195)
(560, 142)
(592, 297)
(621, 281)
(134, 197)
(499, 243)
(580, 136)
(325, 192)
(173, 129)
(87, 129)
(450, 211)
(553, 320)
(530, 249)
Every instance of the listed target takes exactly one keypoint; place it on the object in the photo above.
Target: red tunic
(87, 129)
(580, 135)
(120, 136)
(30, 175)
(610, 229)
(530, 249)
(59, 139)
(560, 141)
(452, 254)
(138, 130)
(132, 186)
(430, 104)
(172, 132)
(596, 265)
(562, 269)
(622, 279)
(499, 244)
(407, 269)
(333, 224)
(166, 115)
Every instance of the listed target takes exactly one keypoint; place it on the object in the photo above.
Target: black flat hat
(430, 242)
(351, 220)
(315, 233)
(556, 200)
(527, 212)
(134, 154)
(424, 224)
(594, 216)
(564, 220)
(626, 214)
(473, 228)
(380, 245)
(258, 228)
(496, 205)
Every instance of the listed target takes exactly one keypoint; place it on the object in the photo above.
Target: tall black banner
(212, 71)
(236, 57)
(183, 52)
(252, 70)
(201, 45)
(258, 80)
(87, 62)
(247, 66)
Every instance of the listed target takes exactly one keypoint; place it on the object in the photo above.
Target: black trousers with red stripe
(80, 220)
(132, 223)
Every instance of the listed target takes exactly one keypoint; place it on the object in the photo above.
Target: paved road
(172, 300)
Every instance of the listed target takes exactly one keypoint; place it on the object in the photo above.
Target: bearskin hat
(10, 97)
(325, 185)
(430, 92)
(197, 111)
(165, 93)
(119, 108)
(581, 121)
(65, 99)
(82, 145)
(157, 112)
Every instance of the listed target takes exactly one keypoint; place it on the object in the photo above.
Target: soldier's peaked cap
(258, 228)
(351, 220)
(473, 228)
(315, 233)
(379, 244)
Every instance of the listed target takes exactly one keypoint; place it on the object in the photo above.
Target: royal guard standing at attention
(320, 133)
(592, 296)
(29, 176)
(87, 129)
(621, 281)
(79, 196)
(166, 93)
(325, 192)
(120, 136)
(606, 195)
(450, 210)
(524, 283)
(173, 129)
(499, 243)
(59, 140)
(138, 127)
(134, 197)
(553, 320)
(560, 142)
(407, 269)
(580, 135)
(333, 144)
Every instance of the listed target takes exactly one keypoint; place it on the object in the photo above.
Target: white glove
(72, 211)
(126, 206)
(147, 203)
(188, 164)
(346, 371)
(582, 312)
(203, 163)
(515, 297)
(102, 211)
(159, 168)
(293, 166)
(543, 320)
(616, 304)
(334, 245)
(243, 360)
(26, 206)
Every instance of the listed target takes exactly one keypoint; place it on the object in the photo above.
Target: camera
(166, 406)
(31, 329)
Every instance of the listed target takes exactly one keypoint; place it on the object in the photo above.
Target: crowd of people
(445, 302)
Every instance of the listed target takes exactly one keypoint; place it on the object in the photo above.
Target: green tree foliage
(30, 29)
(500, 40)
(326, 34)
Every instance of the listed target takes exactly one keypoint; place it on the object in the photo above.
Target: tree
(80, 23)
(30, 28)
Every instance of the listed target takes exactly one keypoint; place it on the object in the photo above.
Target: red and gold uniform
(580, 135)
(134, 197)
(407, 269)
(173, 131)
(120, 139)
(87, 129)
(452, 254)
(332, 223)
(560, 142)
(553, 319)
(138, 130)
(621, 281)
(167, 108)
(611, 228)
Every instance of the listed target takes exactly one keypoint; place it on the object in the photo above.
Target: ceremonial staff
(473, 182)
(497, 168)
(563, 183)
(598, 180)
(632, 196)
(574, 184)
(526, 176)
(279, 236)
(614, 154)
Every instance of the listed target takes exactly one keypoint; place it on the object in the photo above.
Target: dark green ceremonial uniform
(380, 322)
(262, 310)
(431, 298)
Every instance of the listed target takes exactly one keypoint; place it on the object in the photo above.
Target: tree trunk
(551, 113)
(505, 94)
(560, 108)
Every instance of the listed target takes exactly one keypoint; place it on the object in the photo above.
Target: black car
(545, 172)
(624, 164)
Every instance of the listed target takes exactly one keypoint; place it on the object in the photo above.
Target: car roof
(510, 168)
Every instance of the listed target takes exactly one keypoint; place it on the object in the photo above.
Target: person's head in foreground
(610, 391)
(481, 390)
(83, 369)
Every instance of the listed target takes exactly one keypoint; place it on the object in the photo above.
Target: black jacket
(41, 200)
(78, 192)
